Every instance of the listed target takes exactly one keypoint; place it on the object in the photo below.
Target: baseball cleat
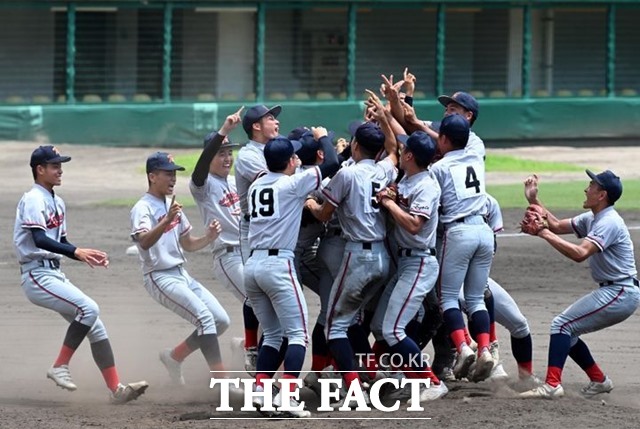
(174, 368)
(258, 402)
(299, 414)
(431, 393)
(129, 392)
(484, 366)
(62, 377)
(498, 373)
(251, 360)
(544, 391)
(464, 361)
(595, 388)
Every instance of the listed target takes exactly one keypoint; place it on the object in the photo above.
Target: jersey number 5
(265, 200)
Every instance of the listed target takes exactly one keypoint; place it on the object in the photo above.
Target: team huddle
(395, 233)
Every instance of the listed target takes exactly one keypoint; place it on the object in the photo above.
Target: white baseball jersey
(275, 206)
(353, 192)
(475, 145)
(249, 165)
(418, 195)
(462, 182)
(218, 199)
(166, 252)
(607, 230)
(38, 208)
(494, 214)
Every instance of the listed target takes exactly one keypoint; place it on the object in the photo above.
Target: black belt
(230, 249)
(272, 252)
(408, 252)
(336, 232)
(367, 246)
(247, 218)
(40, 263)
(613, 282)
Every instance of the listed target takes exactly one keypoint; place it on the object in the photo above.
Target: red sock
(289, 377)
(181, 351)
(458, 338)
(64, 357)
(595, 373)
(350, 377)
(467, 336)
(483, 341)
(250, 338)
(259, 378)
(525, 369)
(110, 376)
(492, 332)
(318, 362)
(554, 376)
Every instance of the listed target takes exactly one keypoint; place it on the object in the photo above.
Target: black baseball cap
(47, 155)
(255, 113)
(278, 151)
(370, 136)
(456, 128)
(464, 99)
(226, 143)
(162, 161)
(608, 181)
(309, 148)
(421, 145)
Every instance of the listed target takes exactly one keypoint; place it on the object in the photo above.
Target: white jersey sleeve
(494, 214)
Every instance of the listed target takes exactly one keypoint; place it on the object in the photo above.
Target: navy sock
(268, 360)
(581, 355)
(250, 319)
(522, 349)
(342, 354)
(293, 359)
(559, 345)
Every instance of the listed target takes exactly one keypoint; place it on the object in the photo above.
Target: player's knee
(520, 330)
(90, 312)
(559, 326)
(393, 337)
(222, 322)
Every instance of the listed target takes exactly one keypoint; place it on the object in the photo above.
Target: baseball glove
(534, 220)
(390, 192)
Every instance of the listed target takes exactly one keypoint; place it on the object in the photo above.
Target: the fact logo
(332, 396)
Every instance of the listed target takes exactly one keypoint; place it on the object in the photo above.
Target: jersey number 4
(471, 179)
(263, 204)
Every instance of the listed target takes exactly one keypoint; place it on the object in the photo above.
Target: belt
(247, 217)
(40, 263)
(614, 282)
(408, 252)
(230, 249)
(336, 232)
(272, 252)
(367, 246)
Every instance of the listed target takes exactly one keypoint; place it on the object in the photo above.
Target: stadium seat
(141, 98)
(91, 98)
(541, 93)
(61, 98)
(277, 96)
(206, 97)
(41, 99)
(477, 94)
(15, 99)
(419, 95)
(324, 95)
(300, 96)
(564, 93)
(628, 92)
(229, 96)
(497, 93)
(586, 93)
(116, 98)
(250, 96)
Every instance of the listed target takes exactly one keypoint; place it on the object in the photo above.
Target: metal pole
(440, 48)
(611, 51)
(71, 54)
(526, 51)
(351, 52)
(166, 53)
(259, 51)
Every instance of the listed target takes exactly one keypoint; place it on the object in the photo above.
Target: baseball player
(261, 125)
(275, 206)
(162, 232)
(467, 249)
(40, 241)
(214, 191)
(415, 212)
(365, 265)
(607, 245)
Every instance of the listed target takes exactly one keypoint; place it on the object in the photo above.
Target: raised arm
(556, 225)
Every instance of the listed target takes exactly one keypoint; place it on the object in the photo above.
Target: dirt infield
(542, 282)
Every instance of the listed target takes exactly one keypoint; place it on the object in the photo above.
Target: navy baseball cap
(47, 155)
(421, 145)
(456, 128)
(608, 181)
(353, 127)
(278, 151)
(255, 113)
(464, 99)
(370, 136)
(162, 161)
(298, 132)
